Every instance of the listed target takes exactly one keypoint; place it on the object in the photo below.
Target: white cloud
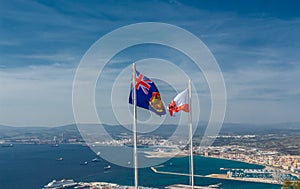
(263, 96)
(36, 95)
(259, 57)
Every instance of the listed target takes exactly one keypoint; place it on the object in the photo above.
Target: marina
(262, 175)
(247, 175)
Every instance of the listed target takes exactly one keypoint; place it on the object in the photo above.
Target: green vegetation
(291, 185)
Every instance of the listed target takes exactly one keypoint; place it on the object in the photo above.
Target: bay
(32, 166)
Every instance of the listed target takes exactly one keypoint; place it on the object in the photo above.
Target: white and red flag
(180, 102)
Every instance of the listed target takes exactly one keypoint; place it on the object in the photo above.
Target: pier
(172, 173)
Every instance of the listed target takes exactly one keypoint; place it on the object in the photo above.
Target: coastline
(236, 160)
(152, 154)
(219, 176)
(216, 176)
(265, 166)
(259, 180)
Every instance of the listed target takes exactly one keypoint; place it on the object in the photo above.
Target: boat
(95, 160)
(55, 142)
(64, 183)
(59, 159)
(107, 168)
(7, 145)
(84, 163)
(215, 185)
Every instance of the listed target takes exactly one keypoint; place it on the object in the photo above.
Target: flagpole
(191, 137)
(134, 128)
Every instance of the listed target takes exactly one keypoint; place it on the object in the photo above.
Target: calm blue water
(32, 166)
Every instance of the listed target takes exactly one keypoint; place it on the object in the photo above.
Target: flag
(180, 102)
(147, 95)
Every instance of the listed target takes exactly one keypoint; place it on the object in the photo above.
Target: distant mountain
(71, 130)
(9, 132)
(255, 129)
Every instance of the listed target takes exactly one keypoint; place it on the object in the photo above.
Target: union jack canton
(147, 95)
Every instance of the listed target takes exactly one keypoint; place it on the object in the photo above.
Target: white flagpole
(191, 137)
(134, 129)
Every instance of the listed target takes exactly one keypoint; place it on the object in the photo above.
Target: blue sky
(256, 44)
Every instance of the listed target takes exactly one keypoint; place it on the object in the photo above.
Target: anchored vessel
(107, 168)
(64, 183)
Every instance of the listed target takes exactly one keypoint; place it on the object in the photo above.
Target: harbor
(242, 176)
(265, 175)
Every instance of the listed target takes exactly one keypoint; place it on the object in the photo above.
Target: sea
(31, 166)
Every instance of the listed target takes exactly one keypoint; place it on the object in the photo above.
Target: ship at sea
(7, 145)
(107, 168)
(84, 163)
(64, 183)
(96, 160)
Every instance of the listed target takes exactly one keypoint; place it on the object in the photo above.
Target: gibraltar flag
(180, 102)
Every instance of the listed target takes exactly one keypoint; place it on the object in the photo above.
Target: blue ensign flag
(147, 95)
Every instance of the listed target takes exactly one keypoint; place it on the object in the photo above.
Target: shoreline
(265, 166)
(233, 160)
(152, 154)
(258, 180)
(219, 176)
(185, 154)
(171, 154)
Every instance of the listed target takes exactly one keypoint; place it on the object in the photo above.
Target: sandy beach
(174, 153)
